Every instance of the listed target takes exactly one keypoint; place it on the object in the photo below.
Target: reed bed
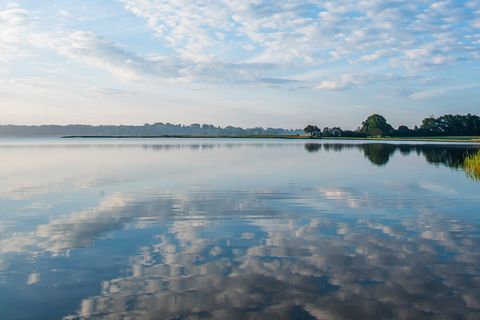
(472, 165)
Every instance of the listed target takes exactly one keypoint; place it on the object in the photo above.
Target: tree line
(155, 129)
(374, 126)
(377, 126)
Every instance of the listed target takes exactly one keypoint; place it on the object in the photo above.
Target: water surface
(237, 229)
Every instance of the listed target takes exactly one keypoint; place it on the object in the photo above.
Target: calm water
(237, 229)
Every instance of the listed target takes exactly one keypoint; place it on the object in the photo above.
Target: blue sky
(240, 62)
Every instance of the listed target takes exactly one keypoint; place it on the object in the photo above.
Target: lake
(237, 229)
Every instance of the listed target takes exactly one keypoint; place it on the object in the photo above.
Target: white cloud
(345, 81)
(64, 13)
(373, 56)
(93, 50)
(14, 22)
(435, 92)
(262, 42)
(96, 51)
(311, 31)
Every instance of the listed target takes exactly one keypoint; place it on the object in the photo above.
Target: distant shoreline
(190, 137)
(297, 137)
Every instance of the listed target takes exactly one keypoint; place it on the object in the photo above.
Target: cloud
(105, 91)
(64, 13)
(261, 42)
(436, 92)
(312, 32)
(14, 23)
(410, 37)
(96, 51)
(344, 82)
(17, 38)
(348, 80)
(372, 56)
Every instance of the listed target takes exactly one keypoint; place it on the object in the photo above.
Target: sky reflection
(243, 230)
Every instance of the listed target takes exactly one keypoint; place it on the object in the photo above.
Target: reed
(472, 165)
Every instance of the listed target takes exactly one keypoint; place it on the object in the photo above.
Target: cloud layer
(250, 41)
(407, 36)
(248, 63)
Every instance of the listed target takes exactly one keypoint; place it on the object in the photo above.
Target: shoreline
(296, 137)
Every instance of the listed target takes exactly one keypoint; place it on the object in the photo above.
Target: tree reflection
(313, 147)
(379, 154)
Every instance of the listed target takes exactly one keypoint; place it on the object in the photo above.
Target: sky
(237, 62)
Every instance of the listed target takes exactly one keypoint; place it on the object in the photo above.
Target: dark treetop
(377, 126)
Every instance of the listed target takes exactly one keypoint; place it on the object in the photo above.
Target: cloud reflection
(323, 267)
(314, 249)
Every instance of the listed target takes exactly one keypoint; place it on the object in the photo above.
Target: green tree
(452, 124)
(403, 131)
(314, 131)
(376, 126)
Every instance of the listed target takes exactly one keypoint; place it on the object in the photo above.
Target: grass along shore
(426, 139)
(472, 166)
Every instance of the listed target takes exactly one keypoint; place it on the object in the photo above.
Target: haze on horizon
(236, 62)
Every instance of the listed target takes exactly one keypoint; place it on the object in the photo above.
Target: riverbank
(420, 139)
(470, 139)
(194, 137)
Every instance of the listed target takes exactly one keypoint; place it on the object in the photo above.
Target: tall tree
(313, 130)
(376, 126)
